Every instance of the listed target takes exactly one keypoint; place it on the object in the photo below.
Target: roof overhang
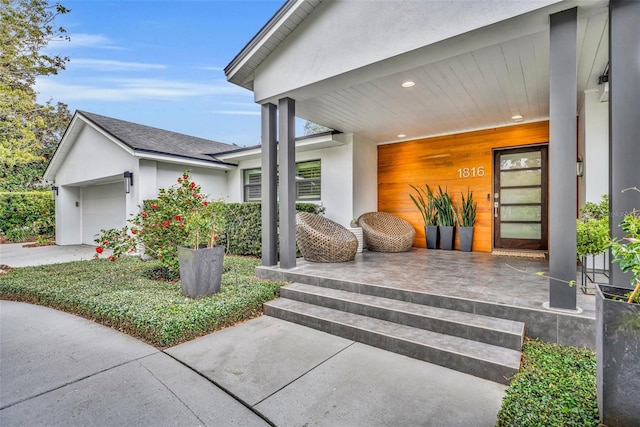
(79, 122)
(475, 80)
(305, 143)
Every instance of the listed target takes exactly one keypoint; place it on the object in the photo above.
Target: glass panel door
(520, 198)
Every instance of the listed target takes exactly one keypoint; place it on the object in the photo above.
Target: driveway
(16, 255)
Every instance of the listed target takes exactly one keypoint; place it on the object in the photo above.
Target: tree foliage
(29, 131)
(311, 128)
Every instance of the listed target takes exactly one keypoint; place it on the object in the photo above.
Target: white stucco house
(532, 105)
(104, 168)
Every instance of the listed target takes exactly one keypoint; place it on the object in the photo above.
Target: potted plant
(592, 236)
(446, 218)
(171, 229)
(466, 218)
(425, 202)
(355, 228)
(201, 262)
(618, 333)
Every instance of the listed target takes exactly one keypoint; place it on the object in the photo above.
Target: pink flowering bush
(180, 216)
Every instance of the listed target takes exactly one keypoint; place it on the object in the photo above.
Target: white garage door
(103, 207)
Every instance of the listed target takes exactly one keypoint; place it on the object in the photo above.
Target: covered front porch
(471, 282)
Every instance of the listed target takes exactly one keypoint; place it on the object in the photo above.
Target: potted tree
(592, 236)
(201, 262)
(446, 218)
(466, 219)
(179, 228)
(618, 333)
(424, 201)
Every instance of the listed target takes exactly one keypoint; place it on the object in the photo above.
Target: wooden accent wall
(457, 162)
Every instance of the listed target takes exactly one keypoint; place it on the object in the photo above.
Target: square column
(562, 158)
(287, 157)
(624, 126)
(269, 185)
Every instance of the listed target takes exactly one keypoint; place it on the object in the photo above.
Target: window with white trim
(308, 182)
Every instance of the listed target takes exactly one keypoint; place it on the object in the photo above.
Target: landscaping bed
(556, 386)
(124, 296)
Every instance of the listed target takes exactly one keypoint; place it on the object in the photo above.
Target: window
(308, 182)
(252, 185)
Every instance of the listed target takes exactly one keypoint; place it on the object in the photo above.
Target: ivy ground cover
(125, 296)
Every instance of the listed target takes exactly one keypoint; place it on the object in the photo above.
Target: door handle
(495, 209)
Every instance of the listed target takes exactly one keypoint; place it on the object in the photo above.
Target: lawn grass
(121, 295)
(556, 386)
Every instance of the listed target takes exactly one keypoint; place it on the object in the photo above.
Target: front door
(520, 198)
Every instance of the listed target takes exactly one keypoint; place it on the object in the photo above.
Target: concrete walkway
(61, 370)
(15, 255)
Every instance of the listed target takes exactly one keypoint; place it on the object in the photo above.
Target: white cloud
(131, 89)
(238, 112)
(113, 65)
(82, 40)
(207, 68)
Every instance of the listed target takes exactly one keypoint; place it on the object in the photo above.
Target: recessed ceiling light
(408, 84)
(401, 135)
(517, 117)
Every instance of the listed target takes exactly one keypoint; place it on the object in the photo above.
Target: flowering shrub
(180, 216)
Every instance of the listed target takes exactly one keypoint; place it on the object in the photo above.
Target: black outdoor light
(128, 181)
(55, 190)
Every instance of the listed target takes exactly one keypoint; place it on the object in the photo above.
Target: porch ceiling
(477, 89)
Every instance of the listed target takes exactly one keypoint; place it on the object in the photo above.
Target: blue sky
(160, 63)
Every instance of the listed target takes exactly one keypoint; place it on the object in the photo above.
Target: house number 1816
(471, 172)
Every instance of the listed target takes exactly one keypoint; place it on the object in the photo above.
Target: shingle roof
(150, 139)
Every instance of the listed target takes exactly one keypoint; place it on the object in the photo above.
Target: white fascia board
(167, 158)
(271, 27)
(68, 140)
(306, 144)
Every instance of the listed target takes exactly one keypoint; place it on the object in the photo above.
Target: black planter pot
(466, 238)
(447, 236)
(432, 236)
(200, 270)
(618, 357)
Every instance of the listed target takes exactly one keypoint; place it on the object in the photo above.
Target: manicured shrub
(120, 296)
(34, 210)
(556, 386)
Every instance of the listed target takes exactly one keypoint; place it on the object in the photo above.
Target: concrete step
(472, 357)
(490, 330)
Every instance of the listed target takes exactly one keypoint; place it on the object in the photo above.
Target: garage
(103, 207)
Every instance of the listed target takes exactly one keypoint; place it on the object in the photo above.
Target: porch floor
(508, 284)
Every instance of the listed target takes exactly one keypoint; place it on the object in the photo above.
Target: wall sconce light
(54, 190)
(128, 181)
(579, 168)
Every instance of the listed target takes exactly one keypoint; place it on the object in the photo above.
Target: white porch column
(287, 156)
(562, 158)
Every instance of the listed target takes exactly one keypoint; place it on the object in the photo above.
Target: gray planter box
(466, 238)
(200, 270)
(618, 358)
(447, 236)
(432, 236)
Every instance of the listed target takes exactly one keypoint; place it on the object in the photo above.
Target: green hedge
(556, 386)
(31, 212)
(243, 233)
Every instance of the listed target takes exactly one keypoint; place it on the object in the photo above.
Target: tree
(311, 128)
(28, 129)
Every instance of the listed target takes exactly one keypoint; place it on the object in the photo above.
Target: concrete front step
(483, 360)
(489, 330)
